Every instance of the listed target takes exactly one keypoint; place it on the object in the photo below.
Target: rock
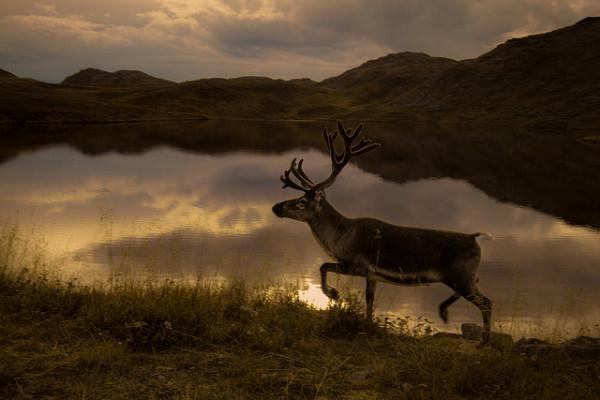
(448, 335)
(585, 341)
(530, 341)
(582, 347)
(498, 340)
(471, 331)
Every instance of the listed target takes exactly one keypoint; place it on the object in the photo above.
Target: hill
(97, 77)
(245, 97)
(391, 75)
(27, 101)
(551, 78)
(547, 82)
(6, 74)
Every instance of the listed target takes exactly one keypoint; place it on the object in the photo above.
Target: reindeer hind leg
(484, 304)
(464, 281)
(443, 307)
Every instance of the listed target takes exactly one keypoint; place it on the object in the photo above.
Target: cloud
(47, 8)
(188, 39)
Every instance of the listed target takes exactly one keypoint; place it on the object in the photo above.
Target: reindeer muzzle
(278, 209)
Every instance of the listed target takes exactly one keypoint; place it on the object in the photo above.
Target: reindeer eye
(302, 202)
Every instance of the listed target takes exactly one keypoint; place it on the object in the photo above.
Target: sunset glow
(188, 39)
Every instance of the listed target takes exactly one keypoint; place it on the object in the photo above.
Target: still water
(167, 212)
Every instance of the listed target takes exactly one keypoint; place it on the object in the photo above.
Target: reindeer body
(390, 253)
(379, 251)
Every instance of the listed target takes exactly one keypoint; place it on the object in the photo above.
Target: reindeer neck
(328, 223)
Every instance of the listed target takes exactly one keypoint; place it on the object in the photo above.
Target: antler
(306, 184)
(338, 160)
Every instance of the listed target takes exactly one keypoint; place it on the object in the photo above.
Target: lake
(190, 200)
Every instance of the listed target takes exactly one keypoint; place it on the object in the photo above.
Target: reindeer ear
(319, 199)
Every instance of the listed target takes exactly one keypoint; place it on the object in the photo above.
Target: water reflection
(553, 173)
(171, 213)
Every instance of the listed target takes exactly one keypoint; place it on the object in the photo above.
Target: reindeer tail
(483, 235)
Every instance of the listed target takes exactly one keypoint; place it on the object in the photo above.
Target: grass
(205, 340)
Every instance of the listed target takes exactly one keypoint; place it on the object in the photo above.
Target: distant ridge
(6, 74)
(98, 77)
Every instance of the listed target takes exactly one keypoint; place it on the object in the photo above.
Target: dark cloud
(188, 39)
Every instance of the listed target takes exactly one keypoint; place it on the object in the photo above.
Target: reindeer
(379, 251)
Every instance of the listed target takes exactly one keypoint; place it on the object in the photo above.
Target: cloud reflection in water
(171, 213)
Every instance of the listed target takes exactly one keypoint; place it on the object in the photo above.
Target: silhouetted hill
(30, 101)
(551, 78)
(97, 77)
(393, 75)
(6, 74)
(245, 97)
(548, 82)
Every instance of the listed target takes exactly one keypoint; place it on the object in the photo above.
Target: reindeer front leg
(330, 267)
(370, 295)
(346, 269)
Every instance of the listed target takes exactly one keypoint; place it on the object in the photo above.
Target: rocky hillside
(97, 77)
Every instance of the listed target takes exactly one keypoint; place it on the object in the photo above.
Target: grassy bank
(203, 340)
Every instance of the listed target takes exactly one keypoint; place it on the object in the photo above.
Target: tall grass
(209, 340)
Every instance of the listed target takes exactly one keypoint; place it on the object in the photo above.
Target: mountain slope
(553, 75)
(391, 75)
(548, 82)
(245, 97)
(30, 101)
(6, 74)
(97, 77)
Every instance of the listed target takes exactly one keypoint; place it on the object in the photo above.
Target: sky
(191, 39)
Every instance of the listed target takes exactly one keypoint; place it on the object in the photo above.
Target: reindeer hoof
(444, 315)
(332, 294)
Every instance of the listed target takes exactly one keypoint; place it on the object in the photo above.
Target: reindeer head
(309, 206)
